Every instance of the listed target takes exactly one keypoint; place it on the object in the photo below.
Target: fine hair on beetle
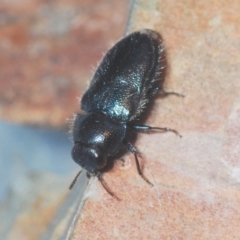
(122, 89)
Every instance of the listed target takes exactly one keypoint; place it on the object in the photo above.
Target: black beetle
(129, 75)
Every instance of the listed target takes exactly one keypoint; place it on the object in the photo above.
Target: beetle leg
(149, 128)
(131, 149)
(105, 186)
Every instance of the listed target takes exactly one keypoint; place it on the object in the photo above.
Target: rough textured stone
(48, 50)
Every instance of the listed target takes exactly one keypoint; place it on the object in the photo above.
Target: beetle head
(89, 158)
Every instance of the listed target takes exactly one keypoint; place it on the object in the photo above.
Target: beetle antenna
(75, 180)
(105, 186)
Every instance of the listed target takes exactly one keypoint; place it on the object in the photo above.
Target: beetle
(126, 80)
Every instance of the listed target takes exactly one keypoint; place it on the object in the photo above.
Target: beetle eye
(100, 162)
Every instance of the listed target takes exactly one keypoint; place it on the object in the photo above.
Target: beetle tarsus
(163, 93)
